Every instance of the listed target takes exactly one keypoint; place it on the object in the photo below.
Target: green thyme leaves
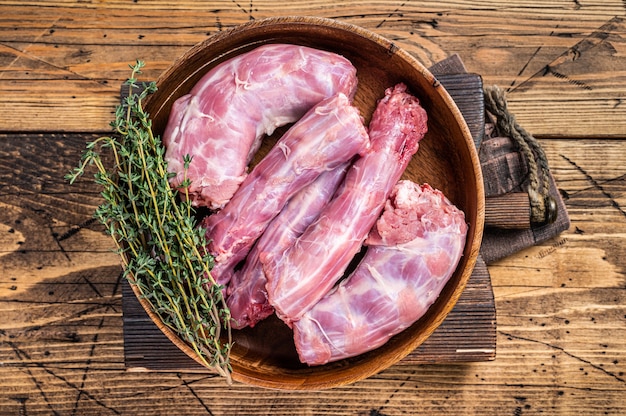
(156, 232)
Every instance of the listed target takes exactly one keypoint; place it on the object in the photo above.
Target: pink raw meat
(246, 294)
(221, 122)
(327, 136)
(309, 269)
(413, 250)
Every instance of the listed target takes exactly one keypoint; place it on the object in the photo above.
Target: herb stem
(156, 232)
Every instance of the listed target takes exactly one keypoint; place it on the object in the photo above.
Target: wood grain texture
(466, 335)
(561, 340)
(556, 59)
(508, 211)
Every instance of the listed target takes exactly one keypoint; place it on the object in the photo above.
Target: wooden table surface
(561, 305)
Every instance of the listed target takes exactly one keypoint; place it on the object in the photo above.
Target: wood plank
(565, 77)
(561, 305)
(561, 340)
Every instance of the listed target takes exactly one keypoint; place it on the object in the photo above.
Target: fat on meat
(221, 122)
(246, 294)
(300, 277)
(327, 136)
(412, 251)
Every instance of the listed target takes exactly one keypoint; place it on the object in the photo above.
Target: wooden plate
(447, 159)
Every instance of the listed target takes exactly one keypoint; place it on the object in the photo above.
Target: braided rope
(543, 206)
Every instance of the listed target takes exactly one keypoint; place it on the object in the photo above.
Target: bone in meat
(318, 258)
(329, 135)
(413, 250)
(221, 122)
(246, 294)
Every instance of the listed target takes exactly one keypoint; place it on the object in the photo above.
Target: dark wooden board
(467, 334)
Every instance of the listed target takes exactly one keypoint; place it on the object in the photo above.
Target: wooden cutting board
(467, 334)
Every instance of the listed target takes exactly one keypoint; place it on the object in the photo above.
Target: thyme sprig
(156, 232)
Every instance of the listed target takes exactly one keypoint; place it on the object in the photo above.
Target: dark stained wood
(467, 92)
(467, 335)
(508, 211)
